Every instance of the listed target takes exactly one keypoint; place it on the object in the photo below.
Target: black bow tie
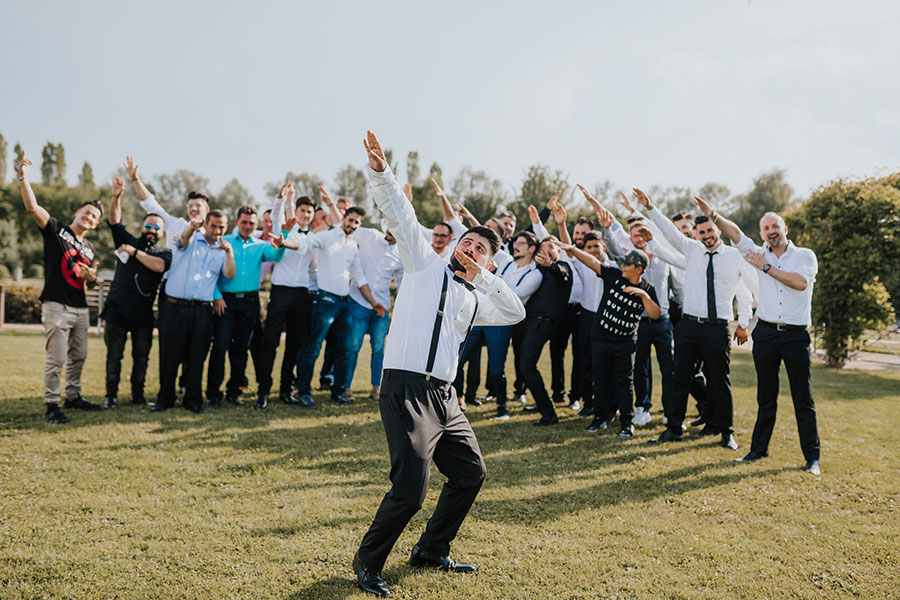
(459, 279)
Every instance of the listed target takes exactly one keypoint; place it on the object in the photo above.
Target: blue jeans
(496, 339)
(330, 311)
(658, 334)
(364, 320)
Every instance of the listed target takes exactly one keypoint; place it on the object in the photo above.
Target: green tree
(482, 195)
(854, 229)
(60, 175)
(9, 244)
(48, 163)
(19, 152)
(232, 197)
(86, 179)
(3, 158)
(538, 185)
(351, 182)
(306, 184)
(770, 193)
(413, 171)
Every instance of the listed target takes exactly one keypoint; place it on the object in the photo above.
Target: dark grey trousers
(423, 421)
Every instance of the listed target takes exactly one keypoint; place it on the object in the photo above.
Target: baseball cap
(636, 258)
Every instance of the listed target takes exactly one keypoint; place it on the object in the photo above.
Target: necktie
(710, 289)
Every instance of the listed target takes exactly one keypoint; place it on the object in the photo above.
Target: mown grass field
(238, 503)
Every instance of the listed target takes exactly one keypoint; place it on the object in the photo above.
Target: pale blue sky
(640, 93)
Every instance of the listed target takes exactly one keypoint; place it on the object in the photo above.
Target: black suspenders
(439, 319)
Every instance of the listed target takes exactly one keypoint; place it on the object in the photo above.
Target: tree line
(854, 227)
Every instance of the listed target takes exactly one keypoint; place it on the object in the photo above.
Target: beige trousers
(66, 336)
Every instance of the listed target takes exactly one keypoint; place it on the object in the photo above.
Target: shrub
(35, 272)
(23, 304)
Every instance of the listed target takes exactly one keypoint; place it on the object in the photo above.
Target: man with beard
(712, 275)
(419, 408)
(69, 263)
(129, 304)
(785, 298)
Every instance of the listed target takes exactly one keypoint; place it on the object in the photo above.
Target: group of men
(665, 283)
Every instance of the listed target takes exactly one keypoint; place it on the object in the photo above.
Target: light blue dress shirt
(249, 256)
(195, 270)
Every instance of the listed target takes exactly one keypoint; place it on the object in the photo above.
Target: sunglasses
(149, 226)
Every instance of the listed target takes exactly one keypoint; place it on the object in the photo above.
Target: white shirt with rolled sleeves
(389, 269)
(727, 265)
(409, 337)
(175, 226)
(779, 303)
(293, 270)
(524, 281)
(337, 261)
(372, 249)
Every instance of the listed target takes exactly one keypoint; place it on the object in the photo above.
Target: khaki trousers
(66, 338)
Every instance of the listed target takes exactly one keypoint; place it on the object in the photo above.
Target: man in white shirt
(419, 408)
(337, 260)
(712, 275)
(783, 316)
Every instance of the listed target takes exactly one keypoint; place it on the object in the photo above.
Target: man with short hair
(419, 408)
(236, 307)
(69, 263)
(129, 303)
(185, 315)
(781, 332)
(337, 257)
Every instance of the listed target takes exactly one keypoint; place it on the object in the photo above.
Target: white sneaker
(521, 398)
(487, 399)
(575, 405)
(642, 416)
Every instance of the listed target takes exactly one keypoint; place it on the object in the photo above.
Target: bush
(23, 304)
(35, 272)
(4, 272)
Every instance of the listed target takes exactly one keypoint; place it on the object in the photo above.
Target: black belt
(290, 287)
(183, 302)
(400, 374)
(334, 295)
(781, 326)
(704, 320)
(253, 294)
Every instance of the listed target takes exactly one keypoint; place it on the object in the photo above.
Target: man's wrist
(22, 178)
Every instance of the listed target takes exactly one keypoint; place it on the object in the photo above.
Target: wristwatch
(766, 268)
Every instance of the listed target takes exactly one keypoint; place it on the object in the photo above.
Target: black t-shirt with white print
(620, 312)
(61, 251)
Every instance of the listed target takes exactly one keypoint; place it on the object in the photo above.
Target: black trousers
(711, 343)
(232, 333)
(184, 334)
(585, 358)
(536, 332)
(114, 334)
(288, 310)
(613, 359)
(770, 347)
(423, 422)
(698, 383)
(567, 327)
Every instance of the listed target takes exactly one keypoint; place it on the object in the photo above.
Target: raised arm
(537, 226)
(37, 212)
(139, 188)
(559, 213)
(725, 226)
(414, 250)
(188, 233)
(586, 259)
(230, 268)
(284, 198)
(669, 231)
(334, 215)
(115, 201)
(660, 250)
(446, 207)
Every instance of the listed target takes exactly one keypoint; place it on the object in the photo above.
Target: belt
(400, 374)
(334, 295)
(183, 302)
(253, 294)
(704, 320)
(290, 287)
(781, 326)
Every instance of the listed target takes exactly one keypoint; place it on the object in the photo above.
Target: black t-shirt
(61, 251)
(620, 312)
(134, 286)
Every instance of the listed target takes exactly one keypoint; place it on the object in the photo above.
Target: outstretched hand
(604, 218)
(326, 199)
(118, 187)
(277, 242)
(131, 167)
(642, 198)
(24, 165)
(559, 213)
(551, 203)
(568, 248)
(625, 202)
(705, 208)
(407, 191)
(377, 161)
(533, 215)
(437, 188)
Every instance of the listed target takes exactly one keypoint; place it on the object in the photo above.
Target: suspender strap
(524, 275)
(436, 331)
(503, 272)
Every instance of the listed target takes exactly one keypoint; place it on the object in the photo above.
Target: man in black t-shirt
(69, 263)
(614, 334)
(129, 304)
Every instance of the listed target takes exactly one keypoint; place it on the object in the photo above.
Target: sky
(638, 93)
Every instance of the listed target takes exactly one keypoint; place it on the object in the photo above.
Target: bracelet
(135, 178)
(21, 178)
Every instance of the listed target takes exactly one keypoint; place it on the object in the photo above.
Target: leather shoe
(262, 402)
(369, 582)
(812, 466)
(666, 436)
(288, 398)
(160, 406)
(80, 403)
(547, 420)
(530, 409)
(234, 399)
(729, 442)
(423, 558)
(194, 408)
(707, 431)
(698, 422)
(751, 457)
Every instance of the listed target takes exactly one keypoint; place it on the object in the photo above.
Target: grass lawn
(239, 503)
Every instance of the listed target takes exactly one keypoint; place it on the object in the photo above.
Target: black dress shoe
(234, 399)
(194, 408)
(708, 431)
(160, 407)
(367, 581)
(288, 398)
(751, 457)
(109, 402)
(698, 422)
(547, 420)
(81, 404)
(423, 558)
(530, 409)
(140, 401)
(55, 415)
(586, 411)
(667, 436)
(729, 442)
(262, 401)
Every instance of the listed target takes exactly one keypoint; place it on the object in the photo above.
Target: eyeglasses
(440, 235)
(149, 226)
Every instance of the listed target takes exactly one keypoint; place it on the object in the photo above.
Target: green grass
(238, 503)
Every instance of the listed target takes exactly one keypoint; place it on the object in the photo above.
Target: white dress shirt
(779, 303)
(409, 338)
(293, 268)
(175, 226)
(727, 266)
(577, 292)
(372, 249)
(337, 260)
(389, 269)
(524, 280)
(592, 286)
